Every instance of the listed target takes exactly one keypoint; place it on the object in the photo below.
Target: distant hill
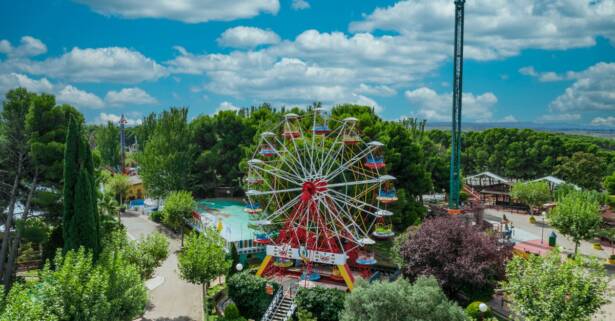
(561, 128)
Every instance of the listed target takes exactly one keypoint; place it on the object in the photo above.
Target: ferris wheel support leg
(347, 275)
(264, 265)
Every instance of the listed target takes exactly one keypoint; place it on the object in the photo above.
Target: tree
(323, 303)
(20, 305)
(168, 156)
(459, 255)
(582, 168)
(203, 259)
(14, 110)
(108, 143)
(248, 292)
(234, 260)
(178, 206)
(609, 183)
(76, 289)
(118, 185)
(532, 194)
(549, 288)
(400, 300)
(577, 215)
(80, 216)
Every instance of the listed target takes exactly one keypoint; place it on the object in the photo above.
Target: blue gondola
(375, 161)
(253, 208)
(389, 196)
(321, 129)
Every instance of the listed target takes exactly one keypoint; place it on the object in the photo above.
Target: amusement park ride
(318, 195)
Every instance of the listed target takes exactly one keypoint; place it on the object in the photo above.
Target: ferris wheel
(318, 192)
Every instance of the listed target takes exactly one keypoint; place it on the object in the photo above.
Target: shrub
(532, 220)
(400, 300)
(248, 293)
(473, 311)
(156, 216)
(459, 255)
(231, 313)
(323, 303)
(177, 207)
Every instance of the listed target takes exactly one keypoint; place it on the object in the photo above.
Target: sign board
(287, 252)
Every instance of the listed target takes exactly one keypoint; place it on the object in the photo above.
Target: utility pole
(122, 145)
(455, 174)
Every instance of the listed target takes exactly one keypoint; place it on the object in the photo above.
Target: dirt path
(174, 299)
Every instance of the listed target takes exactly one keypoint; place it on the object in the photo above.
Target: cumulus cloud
(189, 11)
(498, 29)
(112, 64)
(547, 76)
(28, 47)
(437, 107)
(559, 117)
(593, 89)
(509, 119)
(329, 67)
(247, 37)
(129, 96)
(225, 105)
(103, 118)
(300, 4)
(78, 98)
(14, 80)
(604, 121)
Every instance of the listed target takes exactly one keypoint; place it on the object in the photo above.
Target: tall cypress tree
(80, 216)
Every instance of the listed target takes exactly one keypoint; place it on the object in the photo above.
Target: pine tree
(80, 219)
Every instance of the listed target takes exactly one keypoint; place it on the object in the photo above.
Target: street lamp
(482, 308)
(542, 226)
(239, 267)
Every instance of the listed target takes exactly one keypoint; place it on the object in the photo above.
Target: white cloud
(377, 90)
(559, 117)
(28, 47)
(548, 76)
(603, 121)
(509, 119)
(437, 107)
(300, 4)
(78, 98)
(329, 67)
(103, 118)
(112, 64)
(189, 11)
(14, 80)
(497, 29)
(130, 96)
(225, 105)
(247, 37)
(594, 89)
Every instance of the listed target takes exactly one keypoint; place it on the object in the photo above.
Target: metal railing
(274, 304)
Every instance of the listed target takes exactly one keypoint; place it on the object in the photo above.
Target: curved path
(174, 299)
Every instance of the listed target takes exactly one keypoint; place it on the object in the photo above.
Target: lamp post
(542, 227)
(239, 267)
(482, 308)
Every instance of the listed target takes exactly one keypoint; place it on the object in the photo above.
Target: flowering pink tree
(460, 256)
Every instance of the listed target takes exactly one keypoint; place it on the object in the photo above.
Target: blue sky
(544, 61)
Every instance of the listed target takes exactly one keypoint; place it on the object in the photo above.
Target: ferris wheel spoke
(294, 158)
(281, 157)
(357, 158)
(331, 148)
(284, 208)
(356, 203)
(362, 182)
(335, 224)
(281, 174)
(358, 230)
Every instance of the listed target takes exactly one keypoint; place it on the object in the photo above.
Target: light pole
(482, 308)
(542, 227)
(239, 267)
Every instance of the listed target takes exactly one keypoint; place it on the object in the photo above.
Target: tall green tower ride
(455, 174)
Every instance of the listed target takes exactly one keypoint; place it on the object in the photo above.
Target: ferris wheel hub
(312, 187)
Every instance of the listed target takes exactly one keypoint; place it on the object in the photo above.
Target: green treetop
(551, 289)
(577, 215)
(532, 194)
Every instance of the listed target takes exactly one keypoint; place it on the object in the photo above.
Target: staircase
(281, 308)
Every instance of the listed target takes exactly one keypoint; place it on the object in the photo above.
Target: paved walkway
(174, 299)
(524, 230)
